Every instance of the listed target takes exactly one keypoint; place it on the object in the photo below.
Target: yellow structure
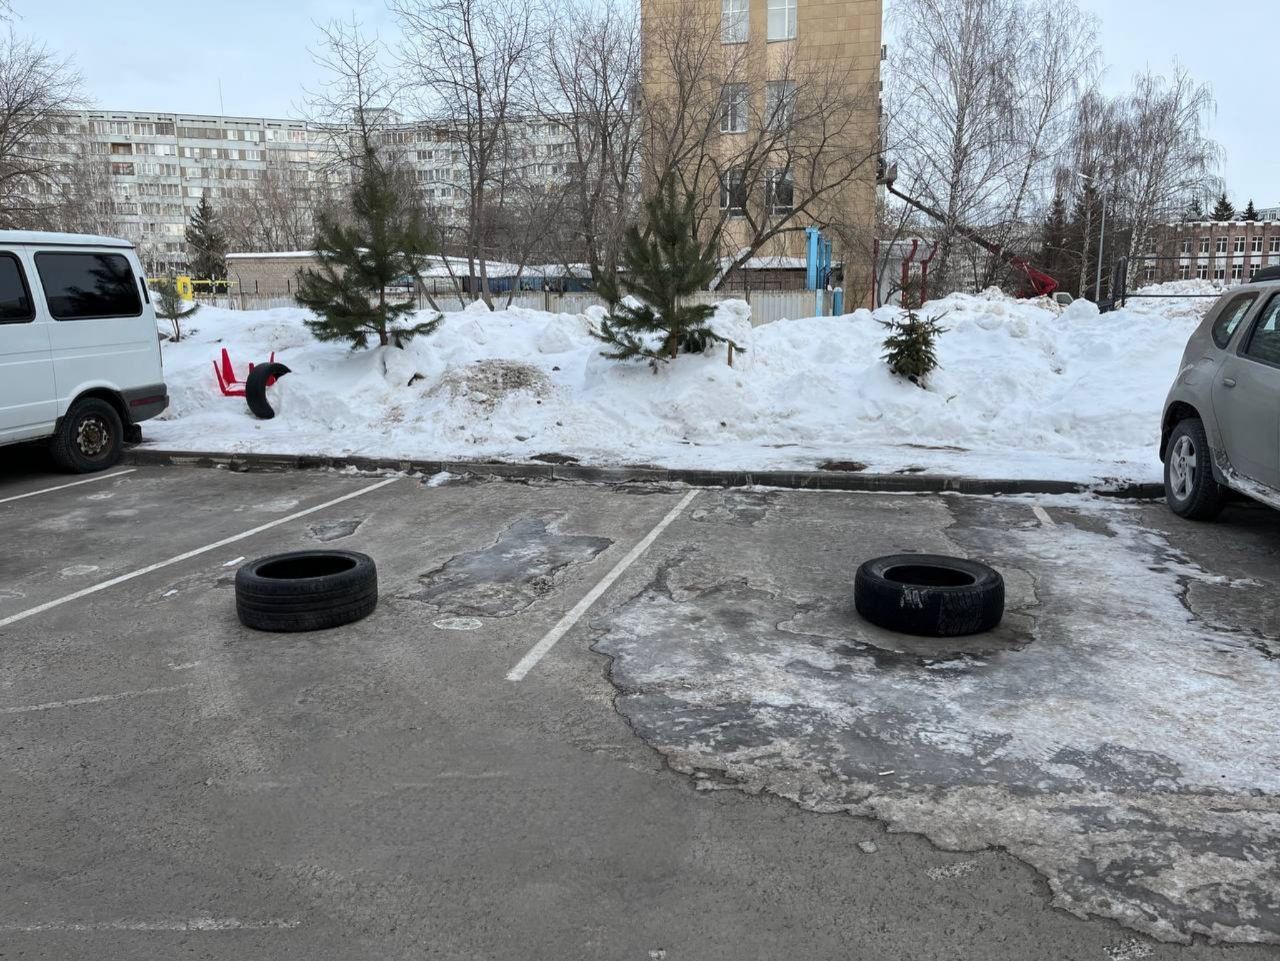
(184, 287)
(771, 111)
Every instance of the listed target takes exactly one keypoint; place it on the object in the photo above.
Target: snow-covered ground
(1025, 389)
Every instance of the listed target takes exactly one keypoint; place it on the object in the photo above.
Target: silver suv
(1221, 425)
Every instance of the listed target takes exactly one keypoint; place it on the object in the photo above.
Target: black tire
(255, 389)
(306, 590)
(1190, 489)
(929, 595)
(89, 438)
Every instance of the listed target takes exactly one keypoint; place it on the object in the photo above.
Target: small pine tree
(661, 266)
(910, 347)
(1223, 210)
(1195, 211)
(206, 243)
(388, 238)
(1250, 212)
(170, 306)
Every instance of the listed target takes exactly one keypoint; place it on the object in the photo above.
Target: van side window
(15, 298)
(85, 286)
(1228, 321)
(1264, 339)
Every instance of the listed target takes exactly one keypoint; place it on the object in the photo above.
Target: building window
(733, 193)
(1186, 246)
(779, 104)
(1184, 272)
(1253, 269)
(1275, 245)
(1219, 273)
(1256, 245)
(782, 19)
(780, 190)
(1222, 245)
(734, 16)
(1202, 272)
(1204, 245)
(1149, 274)
(1237, 271)
(733, 116)
(1239, 245)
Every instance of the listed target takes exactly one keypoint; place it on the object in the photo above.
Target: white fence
(766, 306)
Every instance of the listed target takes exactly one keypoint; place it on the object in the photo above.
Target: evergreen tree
(1223, 210)
(206, 243)
(388, 238)
(1250, 211)
(910, 347)
(1054, 237)
(661, 266)
(170, 306)
(1195, 211)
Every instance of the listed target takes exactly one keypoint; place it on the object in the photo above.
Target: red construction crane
(1041, 284)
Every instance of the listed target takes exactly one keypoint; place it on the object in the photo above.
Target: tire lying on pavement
(255, 388)
(929, 595)
(306, 590)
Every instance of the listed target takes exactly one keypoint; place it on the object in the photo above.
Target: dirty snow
(1124, 747)
(1026, 389)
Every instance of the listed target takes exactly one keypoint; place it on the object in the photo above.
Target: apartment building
(161, 164)
(1222, 251)
(799, 83)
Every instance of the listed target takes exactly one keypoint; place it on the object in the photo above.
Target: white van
(79, 351)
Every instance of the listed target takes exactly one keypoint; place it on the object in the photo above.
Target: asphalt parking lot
(462, 776)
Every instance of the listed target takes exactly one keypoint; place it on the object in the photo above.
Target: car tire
(90, 437)
(306, 590)
(929, 595)
(255, 388)
(1190, 489)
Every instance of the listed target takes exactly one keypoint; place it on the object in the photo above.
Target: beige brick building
(771, 109)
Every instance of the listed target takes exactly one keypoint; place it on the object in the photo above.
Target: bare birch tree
(36, 88)
(468, 65)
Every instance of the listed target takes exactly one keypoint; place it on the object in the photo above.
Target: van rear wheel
(90, 437)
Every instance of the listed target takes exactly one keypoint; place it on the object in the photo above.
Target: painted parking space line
(62, 487)
(95, 699)
(1042, 516)
(178, 924)
(179, 558)
(565, 624)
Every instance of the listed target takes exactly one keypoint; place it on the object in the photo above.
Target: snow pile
(1181, 299)
(1026, 389)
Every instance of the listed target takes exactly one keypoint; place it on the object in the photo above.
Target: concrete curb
(644, 474)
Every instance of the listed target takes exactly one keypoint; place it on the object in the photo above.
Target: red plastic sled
(226, 375)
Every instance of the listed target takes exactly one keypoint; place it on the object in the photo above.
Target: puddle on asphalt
(524, 565)
(335, 530)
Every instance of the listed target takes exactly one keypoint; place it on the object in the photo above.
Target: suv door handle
(1229, 381)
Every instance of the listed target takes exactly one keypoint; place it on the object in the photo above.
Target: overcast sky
(153, 55)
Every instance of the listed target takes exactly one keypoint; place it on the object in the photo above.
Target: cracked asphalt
(718, 761)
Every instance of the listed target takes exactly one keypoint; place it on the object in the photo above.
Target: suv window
(81, 286)
(15, 298)
(1224, 327)
(1264, 339)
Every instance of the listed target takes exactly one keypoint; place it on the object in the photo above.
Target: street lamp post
(1102, 235)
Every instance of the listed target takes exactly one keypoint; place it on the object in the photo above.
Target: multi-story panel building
(161, 164)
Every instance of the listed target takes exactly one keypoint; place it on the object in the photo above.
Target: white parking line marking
(233, 563)
(1042, 516)
(539, 650)
(96, 699)
(180, 924)
(62, 487)
(50, 605)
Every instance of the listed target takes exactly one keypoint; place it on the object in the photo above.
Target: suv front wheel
(90, 437)
(1189, 485)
